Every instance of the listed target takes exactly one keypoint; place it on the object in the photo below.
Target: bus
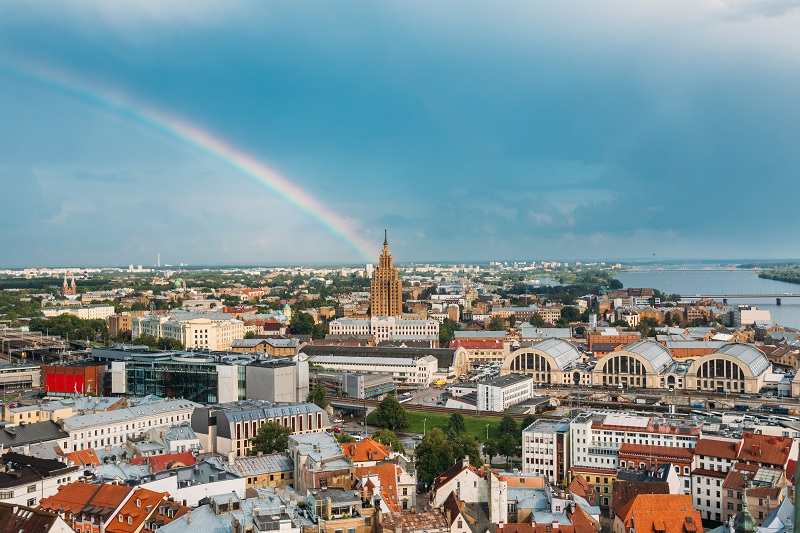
(406, 397)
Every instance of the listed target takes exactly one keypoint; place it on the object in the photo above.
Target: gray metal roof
(747, 354)
(563, 353)
(30, 434)
(658, 356)
(254, 465)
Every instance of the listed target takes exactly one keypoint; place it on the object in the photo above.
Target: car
(336, 430)
(338, 420)
(417, 437)
(745, 396)
(686, 392)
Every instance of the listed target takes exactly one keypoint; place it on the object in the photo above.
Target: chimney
(189, 517)
(555, 524)
(465, 461)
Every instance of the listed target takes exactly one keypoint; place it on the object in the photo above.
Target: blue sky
(471, 130)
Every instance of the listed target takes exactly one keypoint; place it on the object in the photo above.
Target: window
(32, 502)
(31, 488)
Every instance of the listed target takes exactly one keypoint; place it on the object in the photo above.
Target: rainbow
(193, 135)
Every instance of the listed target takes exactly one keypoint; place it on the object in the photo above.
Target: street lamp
(424, 422)
(487, 431)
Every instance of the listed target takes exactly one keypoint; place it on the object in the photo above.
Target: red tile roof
(387, 474)
(684, 454)
(765, 449)
(73, 497)
(83, 457)
(717, 447)
(167, 461)
(668, 513)
(366, 450)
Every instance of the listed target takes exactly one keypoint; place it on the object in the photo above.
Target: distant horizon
(335, 264)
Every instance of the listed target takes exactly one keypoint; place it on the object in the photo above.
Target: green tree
(508, 426)
(615, 284)
(570, 314)
(456, 425)
(271, 437)
(301, 323)
(319, 396)
(527, 421)
(512, 320)
(434, 455)
(388, 438)
(490, 449)
(164, 343)
(319, 331)
(250, 335)
(496, 324)
(390, 414)
(536, 320)
(345, 438)
(467, 446)
(447, 331)
(507, 446)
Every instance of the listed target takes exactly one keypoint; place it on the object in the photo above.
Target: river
(674, 281)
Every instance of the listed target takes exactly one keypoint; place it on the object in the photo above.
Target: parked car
(338, 420)
(745, 396)
(416, 437)
(336, 430)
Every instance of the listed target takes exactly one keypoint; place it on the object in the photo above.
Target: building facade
(386, 289)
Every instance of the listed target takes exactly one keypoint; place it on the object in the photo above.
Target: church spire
(385, 238)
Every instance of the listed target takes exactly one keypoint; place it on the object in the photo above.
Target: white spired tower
(158, 260)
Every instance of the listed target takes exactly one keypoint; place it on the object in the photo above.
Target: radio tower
(158, 260)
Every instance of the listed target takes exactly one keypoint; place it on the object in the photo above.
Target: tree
(508, 426)
(302, 324)
(319, 396)
(536, 320)
(615, 284)
(507, 446)
(496, 324)
(490, 449)
(388, 438)
(434, 455)
(467, 446)
(456, 425)
(527, 421)
(570, 314)
(345, 438)
(271, 437)
(447, 331)
(250, 335)
(390, 414)
(512, 320)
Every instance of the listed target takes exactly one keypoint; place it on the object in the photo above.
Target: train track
(419, 408)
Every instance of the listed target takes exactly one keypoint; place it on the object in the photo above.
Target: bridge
(726, 297)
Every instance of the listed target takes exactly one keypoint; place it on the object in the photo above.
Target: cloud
(113, 177)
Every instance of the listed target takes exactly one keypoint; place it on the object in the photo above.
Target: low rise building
(26, 480)
(320, 462)
(502, 392)
(86, 312)
(261, 471)
(662, 513)
(228, 428)
(389, 328)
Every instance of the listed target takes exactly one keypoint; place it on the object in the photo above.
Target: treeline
(72, 327)
(789, 274)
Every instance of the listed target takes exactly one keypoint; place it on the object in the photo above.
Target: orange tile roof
(73, 497)
(366, 450)
(84, 457)
(387, 474)
(765, 449)
(167, 461)
(581, 487)
(713, 447)
(668, 513)
(139, 507)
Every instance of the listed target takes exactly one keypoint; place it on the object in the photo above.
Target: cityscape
(399, 267)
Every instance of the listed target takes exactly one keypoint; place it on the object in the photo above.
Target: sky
(470, 130)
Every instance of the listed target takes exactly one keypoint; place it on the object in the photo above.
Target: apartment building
(26, 480)
(228, 428)
(545, 449)
(110, 428)
(388, 328)
(193, 330)
(86, 312)
(596, 439)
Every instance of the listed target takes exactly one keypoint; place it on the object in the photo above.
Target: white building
(210, 331)
(25, 480)
(418, 371)
(388, 328)
(86, 312)
(111, 428)
(500, 393)
(545, 449)
(746, 315)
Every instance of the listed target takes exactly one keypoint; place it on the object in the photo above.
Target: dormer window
(120, 518)
(138, 502)
(130, 520)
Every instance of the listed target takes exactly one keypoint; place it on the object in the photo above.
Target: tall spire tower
(386, 289)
